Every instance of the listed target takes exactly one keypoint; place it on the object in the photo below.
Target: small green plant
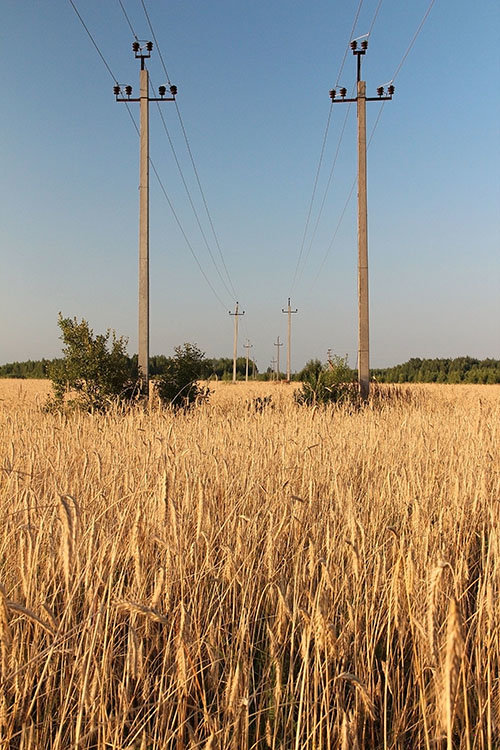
(333, 382)
(178, 385)
(94, 371)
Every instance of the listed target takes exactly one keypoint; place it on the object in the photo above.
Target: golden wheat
(247, 577)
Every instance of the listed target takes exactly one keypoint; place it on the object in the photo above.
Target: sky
(253, 81)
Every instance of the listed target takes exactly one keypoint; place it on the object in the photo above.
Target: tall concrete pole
(124, 94)
(236, 315)
(289, 312)
(363, 309)
(277, 345)
(144, 231)
(247, 346)
(273, 369)
(235, 343)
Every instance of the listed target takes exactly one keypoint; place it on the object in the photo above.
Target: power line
(162, 187)
(379, 115)
(93, 41)
(419, 29)
(320, 162)
(128, 21)
(188, 193)
(202, 192)
(315, 185)
(332, 170)
(349, 40)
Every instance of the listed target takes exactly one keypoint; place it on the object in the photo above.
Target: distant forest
(416, 370)
(221, 368)
(458, 370)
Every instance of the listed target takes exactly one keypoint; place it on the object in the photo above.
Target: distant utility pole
(235, 343)
(289, 312)
(142, 53)
(277, 344)
(273, 369)
(247, 346)
(363, 311)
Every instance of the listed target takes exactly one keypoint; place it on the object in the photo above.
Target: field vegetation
(252, 573)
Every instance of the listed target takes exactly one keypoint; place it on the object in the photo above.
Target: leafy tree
(178, 384)
(94, 370)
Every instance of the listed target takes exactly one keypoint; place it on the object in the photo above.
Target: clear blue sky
(253, 80)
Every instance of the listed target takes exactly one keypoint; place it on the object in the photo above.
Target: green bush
(333, 382)
(178, 384)
(94, 372)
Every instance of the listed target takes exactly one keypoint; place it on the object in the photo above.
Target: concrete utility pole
(363, 309)
(142, 53)
(247, 346)
(235, 343)
(277, 344)
(289, 312)
(273, 369)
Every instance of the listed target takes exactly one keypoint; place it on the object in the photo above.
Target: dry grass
(234, 578)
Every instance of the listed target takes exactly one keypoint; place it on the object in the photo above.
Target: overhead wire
(93, 42)
(190, 153)
(320, 162)
(332, 170)
(372, 133)
(162, 187)
(198, 181)
(174, 153)
(128, 21)
(191, 202)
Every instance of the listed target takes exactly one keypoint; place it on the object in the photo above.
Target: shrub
(94, 372)
(178, 384)
(332, 382)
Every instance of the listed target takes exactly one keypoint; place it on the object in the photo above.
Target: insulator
(149, 46)
(343, 92)
(116, 90)
(380, 90)
(333, 94)
(128, 90)
(162, 90)
(173, 90)
(136, 46)
(390, 90)
(364, 44)
(354, 45)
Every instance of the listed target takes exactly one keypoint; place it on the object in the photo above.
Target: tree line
(458, 370)
(416, 370)
(220, 368)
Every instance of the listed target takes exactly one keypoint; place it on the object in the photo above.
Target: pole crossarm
(384, 95)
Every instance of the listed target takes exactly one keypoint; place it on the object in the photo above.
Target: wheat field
(241, 577)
